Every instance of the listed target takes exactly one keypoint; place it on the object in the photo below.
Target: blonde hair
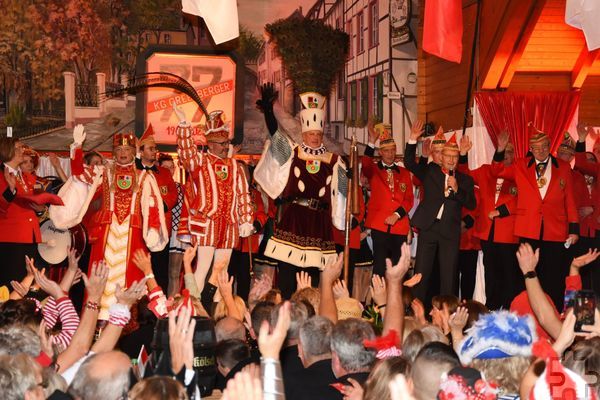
(377, 385)
(221, 308)
(158, 388)
(505, 372)
(310, 295)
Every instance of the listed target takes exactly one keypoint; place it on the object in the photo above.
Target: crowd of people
(230, 283)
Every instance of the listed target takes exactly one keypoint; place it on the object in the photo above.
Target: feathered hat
(499, 334)
(386, 346)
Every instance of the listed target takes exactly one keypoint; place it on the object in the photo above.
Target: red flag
(443, 29)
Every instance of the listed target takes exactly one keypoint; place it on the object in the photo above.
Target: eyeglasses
(227, 143)
(543, 147)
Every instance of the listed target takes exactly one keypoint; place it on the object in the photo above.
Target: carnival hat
(500, 334)
(312, 116)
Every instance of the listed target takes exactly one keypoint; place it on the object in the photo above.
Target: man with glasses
(220, 208)
(438, 216)
(546, 212)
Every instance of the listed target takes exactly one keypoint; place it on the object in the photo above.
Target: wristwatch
(530, 274)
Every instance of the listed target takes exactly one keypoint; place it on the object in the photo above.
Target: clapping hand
(303, 280)
(96, 282)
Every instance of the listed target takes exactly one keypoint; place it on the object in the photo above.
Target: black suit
(438, 236)
(312, 383)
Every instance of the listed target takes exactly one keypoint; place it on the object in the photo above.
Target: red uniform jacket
(504, 225)
(590, 224)
(18, 222)
(339, 236)
(468, 238)
(557, 210)
(384, 202)
(168, 192)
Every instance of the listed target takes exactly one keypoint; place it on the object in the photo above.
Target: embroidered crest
(164, 190)
(313, 166)
(124, 182)
(403, 187)
(562, 183)
(222, 171)
(313, 102)
(513, 190)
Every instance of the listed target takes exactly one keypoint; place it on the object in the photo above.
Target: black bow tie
(392, 167)
(140, 166)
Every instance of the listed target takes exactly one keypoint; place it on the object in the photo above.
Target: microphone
(450, 173)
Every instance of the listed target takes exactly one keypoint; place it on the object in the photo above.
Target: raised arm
(410, 153)
(268, 95)
(394, 317)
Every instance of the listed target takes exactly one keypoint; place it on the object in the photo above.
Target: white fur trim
(156, 240)
(338, 200)
(303, 258)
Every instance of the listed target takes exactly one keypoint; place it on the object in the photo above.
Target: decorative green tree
(249, 45)
(313, 53)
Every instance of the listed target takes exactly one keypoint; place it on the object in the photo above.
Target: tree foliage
(313, 52)
(250, 45)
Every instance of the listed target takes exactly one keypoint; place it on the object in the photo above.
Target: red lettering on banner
(167, 102)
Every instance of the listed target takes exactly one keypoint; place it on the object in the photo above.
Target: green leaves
(313, 52)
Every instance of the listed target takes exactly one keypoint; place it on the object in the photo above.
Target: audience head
(22, 312)
(377, 385)
(273, 296)
(11, 151)
(348, 308)
(166, 161)
(439, 304)
(299, 313)
(15, 339)
(103, 376)
(230, 328)
(475, 310)
(584, 359)
(314, 342)
(467, 381)
(260, 313)
(53, 381)
(308, 294)
(539, 145)
(499, 345)
(349, 354)
(93, 158)
(221, 308)
(158, 388)
(229, 353)
(432, 361)
(21, 378)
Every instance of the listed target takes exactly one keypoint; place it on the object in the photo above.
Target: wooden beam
(502, 46)
(582, 66)
(529, 26)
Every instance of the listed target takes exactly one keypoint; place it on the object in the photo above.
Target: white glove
(246, 229)
(79, 134)
(179, 112)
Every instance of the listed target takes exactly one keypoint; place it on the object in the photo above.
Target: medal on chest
(313, 166)
(124, 181)
(390, 180)
(222, 171)
(541, 181)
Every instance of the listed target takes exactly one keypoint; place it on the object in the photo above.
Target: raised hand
(96, 282)
(142, 261)
(332, 270)
(585, 259)
(340, 291)
(181, 335)
(417, 130)
(458, 320)
(243, 386)
(503, 139)
(465, 145)
(378, 289)
(395, 273)
(268, 95)
(188, 257)
(47, 285)
(419, 311)
(79, 134)
(528, 259)
(426, 148)
(225, 284)
(11, 180)
(373, 135)
(20, 288)
(582, 132)
(416, 278)
(270, 344)
(303, 280)
(130, 296)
